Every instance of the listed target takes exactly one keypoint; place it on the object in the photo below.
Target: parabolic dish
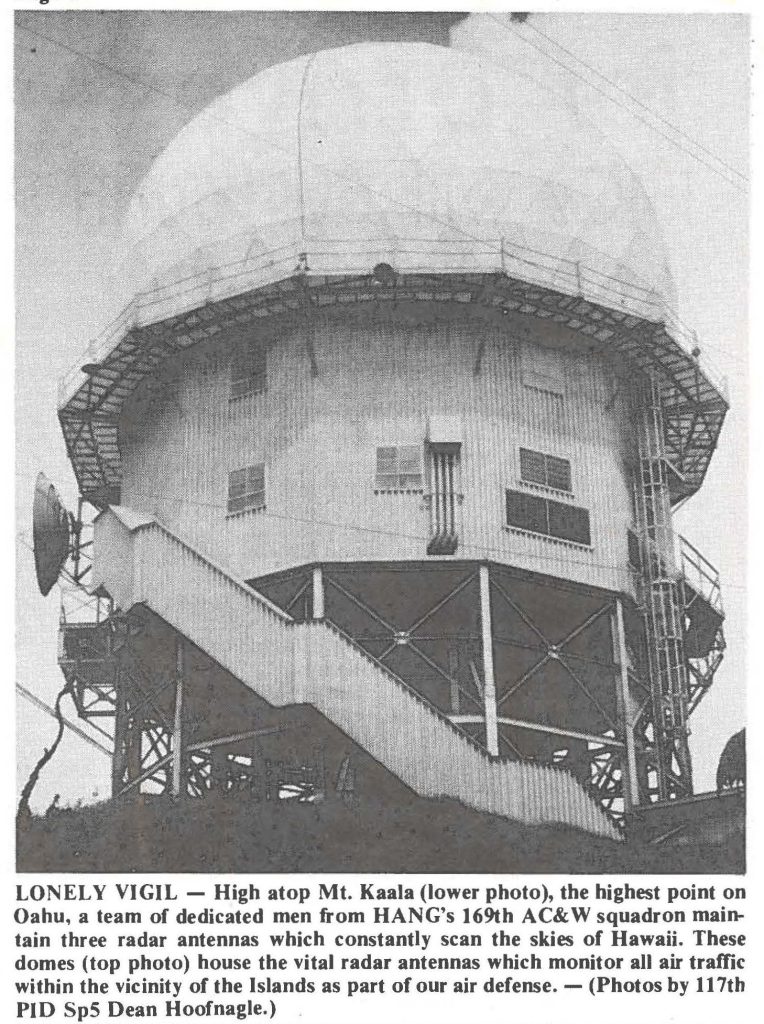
(50, 532)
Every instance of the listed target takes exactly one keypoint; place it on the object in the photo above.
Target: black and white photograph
(381, 441)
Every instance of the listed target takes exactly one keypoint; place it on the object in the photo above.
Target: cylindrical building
(392, 432)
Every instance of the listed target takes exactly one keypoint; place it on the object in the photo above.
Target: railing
(238, 627)
(412, 256)
(414, 741)
(83, 642)
(700, 574)
(402, 684)
(286, 662)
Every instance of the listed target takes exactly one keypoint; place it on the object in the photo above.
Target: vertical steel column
(218, 769)
(318, 592)
(453, 673)
(629, 769)
(133, 742)
(119, 755)
(177, 732)
(489, 682)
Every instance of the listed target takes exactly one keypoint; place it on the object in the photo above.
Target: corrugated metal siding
(237, 627)
(287, 663)
(378, 382)
(113, 559)
(414, 742)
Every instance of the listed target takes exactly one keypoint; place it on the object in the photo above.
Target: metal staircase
(140, 562)
(664, 605)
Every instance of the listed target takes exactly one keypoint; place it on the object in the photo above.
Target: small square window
(558, 473)
(248, 372)
(569, 522)
(410, 468)
(546, 470)
(246, 488)
(542, 369)
(399, 469)
(532, 467)
(526, 512)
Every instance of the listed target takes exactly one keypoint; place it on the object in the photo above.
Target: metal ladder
(663, 602)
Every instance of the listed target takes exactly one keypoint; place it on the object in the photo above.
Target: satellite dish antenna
(52, 528)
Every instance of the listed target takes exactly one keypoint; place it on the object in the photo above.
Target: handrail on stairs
(420, 698)
(700, 574)
(288, 620)
(221, 570)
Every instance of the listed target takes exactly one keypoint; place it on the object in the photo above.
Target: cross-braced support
(173, 731)
(565, 682)
(529, 667)
(433, 640)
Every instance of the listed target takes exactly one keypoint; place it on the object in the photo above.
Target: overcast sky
(86, 135)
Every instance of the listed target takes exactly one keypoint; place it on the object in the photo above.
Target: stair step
(314, 662)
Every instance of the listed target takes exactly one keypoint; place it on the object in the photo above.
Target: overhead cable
(33, 699)
(612, 99)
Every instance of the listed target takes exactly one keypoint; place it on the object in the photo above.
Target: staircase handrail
(274, 609)
(399, 681)
(701, 574)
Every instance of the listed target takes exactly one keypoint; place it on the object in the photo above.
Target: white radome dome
(404, 153)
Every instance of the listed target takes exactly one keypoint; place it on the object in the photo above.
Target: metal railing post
(177, 732)
(489, 682)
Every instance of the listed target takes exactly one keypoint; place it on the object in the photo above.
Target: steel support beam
(489, 681)
(220, 741)
(629, 775)
(119, 755)
(133, 742)
(318, 592)
(133, 786)
(177, 732)
(552, 730)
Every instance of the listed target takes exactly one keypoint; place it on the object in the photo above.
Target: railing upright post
(177, 733)
(629, 770)
(489, 683)
(318, 592)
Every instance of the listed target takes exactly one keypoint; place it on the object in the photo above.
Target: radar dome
(408, 154)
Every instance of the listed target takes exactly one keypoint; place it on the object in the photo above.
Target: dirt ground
(234, 833)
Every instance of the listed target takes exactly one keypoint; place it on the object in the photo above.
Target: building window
(248, 371)
(546, 470)
(547, 517)
(399, 469)
(542, 369)
(246, 488)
